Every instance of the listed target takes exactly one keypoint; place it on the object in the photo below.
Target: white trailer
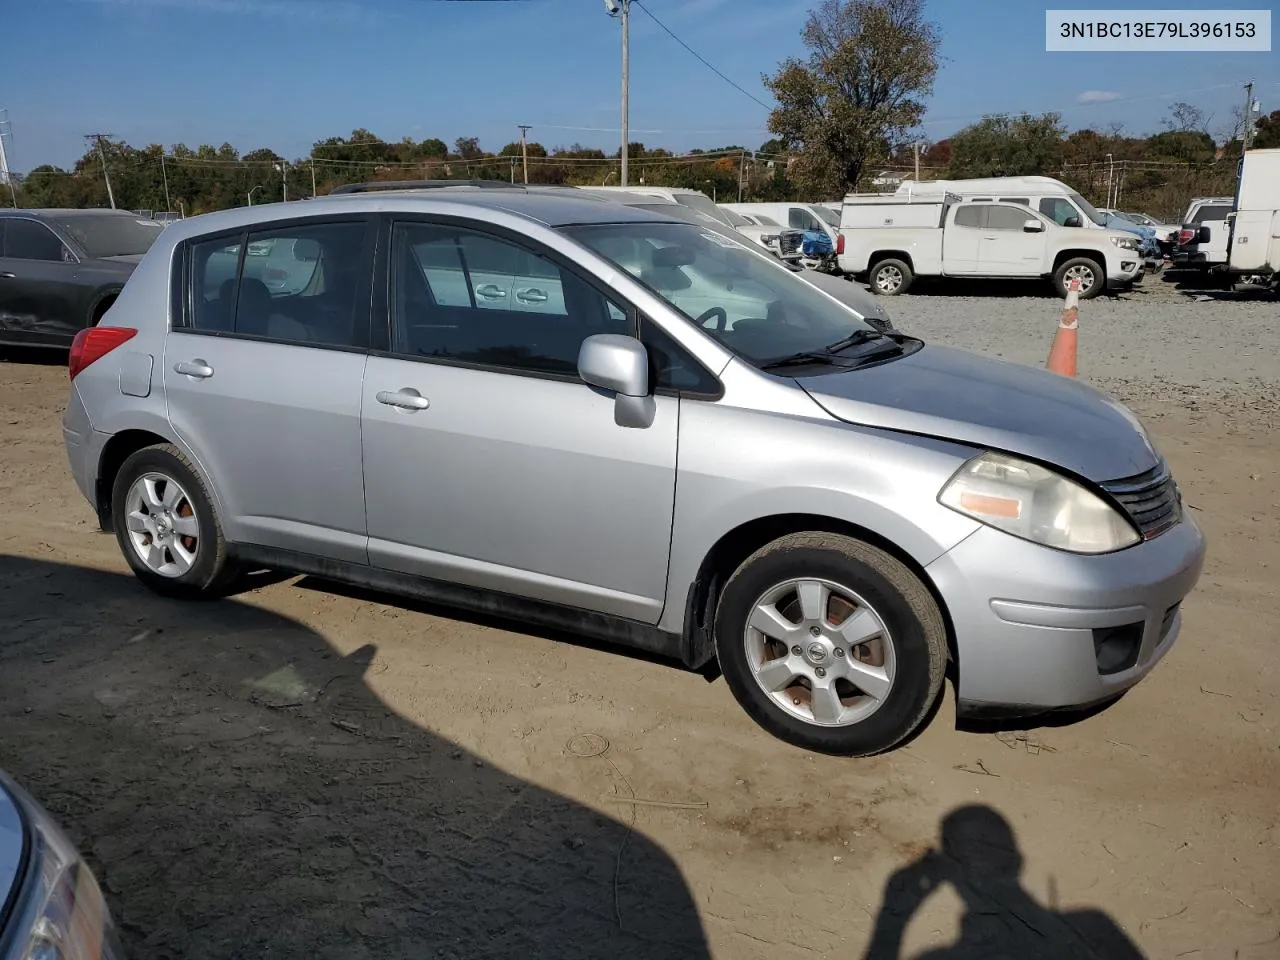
(1254, 243)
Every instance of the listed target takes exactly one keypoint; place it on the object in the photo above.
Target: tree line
(846, 114)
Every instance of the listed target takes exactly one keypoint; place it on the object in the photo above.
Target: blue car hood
(957, 395)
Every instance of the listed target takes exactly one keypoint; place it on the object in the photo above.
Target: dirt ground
(307, 772)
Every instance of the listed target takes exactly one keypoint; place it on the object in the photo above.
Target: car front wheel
(831, 644)
(166, 526)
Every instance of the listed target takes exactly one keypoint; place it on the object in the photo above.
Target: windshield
(766, 221)
(704, 204)
(1089, 209)
(827, 214)
(747, 301)
(103, 235)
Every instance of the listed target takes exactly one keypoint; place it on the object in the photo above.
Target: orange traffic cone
(1062, 355)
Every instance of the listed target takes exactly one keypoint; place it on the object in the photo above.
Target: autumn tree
(1266, 132)
(859, 93)
(1008, 147)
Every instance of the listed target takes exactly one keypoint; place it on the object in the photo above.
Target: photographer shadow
(980, 860)
(241, 790)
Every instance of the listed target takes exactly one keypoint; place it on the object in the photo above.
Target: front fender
(738, 467)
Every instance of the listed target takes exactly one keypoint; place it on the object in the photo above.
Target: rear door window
(306, 283)
(1005, 218)
(1211, 211)
(30, 240)
(973, 215)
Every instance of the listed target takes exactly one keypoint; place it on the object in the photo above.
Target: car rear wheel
(1091, 276)
(890, 278)
(831, 644)
(166, 526)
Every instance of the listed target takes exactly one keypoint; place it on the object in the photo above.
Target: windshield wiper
(802, 359)
(857, 338)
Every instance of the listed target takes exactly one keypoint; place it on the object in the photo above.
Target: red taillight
(1184, 236)
(839, 244)
(94, 343)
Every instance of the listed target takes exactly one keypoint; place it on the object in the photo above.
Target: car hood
(957, 395)
(11, 846)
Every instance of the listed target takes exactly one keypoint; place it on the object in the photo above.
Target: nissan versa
(572, 412)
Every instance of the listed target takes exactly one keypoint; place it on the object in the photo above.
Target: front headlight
(1125, 243)
(62, 914)
(1036, 504)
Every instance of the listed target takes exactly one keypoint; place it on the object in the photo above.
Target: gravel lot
(309, 772)
(1154, 345)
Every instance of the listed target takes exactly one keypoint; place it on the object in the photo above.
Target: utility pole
(1247, 121)
(6, 177)
(284, 180)
(742, 173)
(313, 178)
(168, 206)
(916, 146)
(103, 155)
(524, 149)
(622, 10)
(1111, 169)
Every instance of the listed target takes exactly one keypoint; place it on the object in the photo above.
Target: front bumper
(1028, 620)
(1128, 273)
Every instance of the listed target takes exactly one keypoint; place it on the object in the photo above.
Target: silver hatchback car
(574, 413)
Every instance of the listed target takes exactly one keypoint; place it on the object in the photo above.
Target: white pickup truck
(892, 239)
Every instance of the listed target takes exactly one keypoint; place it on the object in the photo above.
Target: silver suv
(577, 413)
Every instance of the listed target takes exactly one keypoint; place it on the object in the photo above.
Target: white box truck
(890, 239)
(1253, 245)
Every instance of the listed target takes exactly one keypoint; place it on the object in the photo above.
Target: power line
(704, 61)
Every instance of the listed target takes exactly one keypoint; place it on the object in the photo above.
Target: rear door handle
(8, 276)
(531, 295)
(405, 398)
(490, 291)
(196, 369)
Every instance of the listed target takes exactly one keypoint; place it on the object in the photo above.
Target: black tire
(1080, 263)
(212, 571)
(904, 604)
(896, 274)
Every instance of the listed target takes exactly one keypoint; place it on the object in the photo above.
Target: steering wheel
(718, 312)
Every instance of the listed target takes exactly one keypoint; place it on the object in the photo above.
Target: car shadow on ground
(979, 859)
(35, 356)
(242, 792)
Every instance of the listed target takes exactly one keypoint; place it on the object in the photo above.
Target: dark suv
(61, 269)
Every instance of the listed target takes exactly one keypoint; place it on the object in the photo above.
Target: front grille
(1150, 499)
(789, 242)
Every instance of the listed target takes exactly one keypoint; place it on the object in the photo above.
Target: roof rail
(377, 185)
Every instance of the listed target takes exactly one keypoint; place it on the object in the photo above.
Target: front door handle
(196, 369)
(490, 291)
(405, 398)
(531, 295)
(8, 276)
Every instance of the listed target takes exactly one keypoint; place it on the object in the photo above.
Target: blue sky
(284, 73)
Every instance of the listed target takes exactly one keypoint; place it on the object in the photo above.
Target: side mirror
(1032, 225)
(1071, 222)
(1204, 235)
(620, 365)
